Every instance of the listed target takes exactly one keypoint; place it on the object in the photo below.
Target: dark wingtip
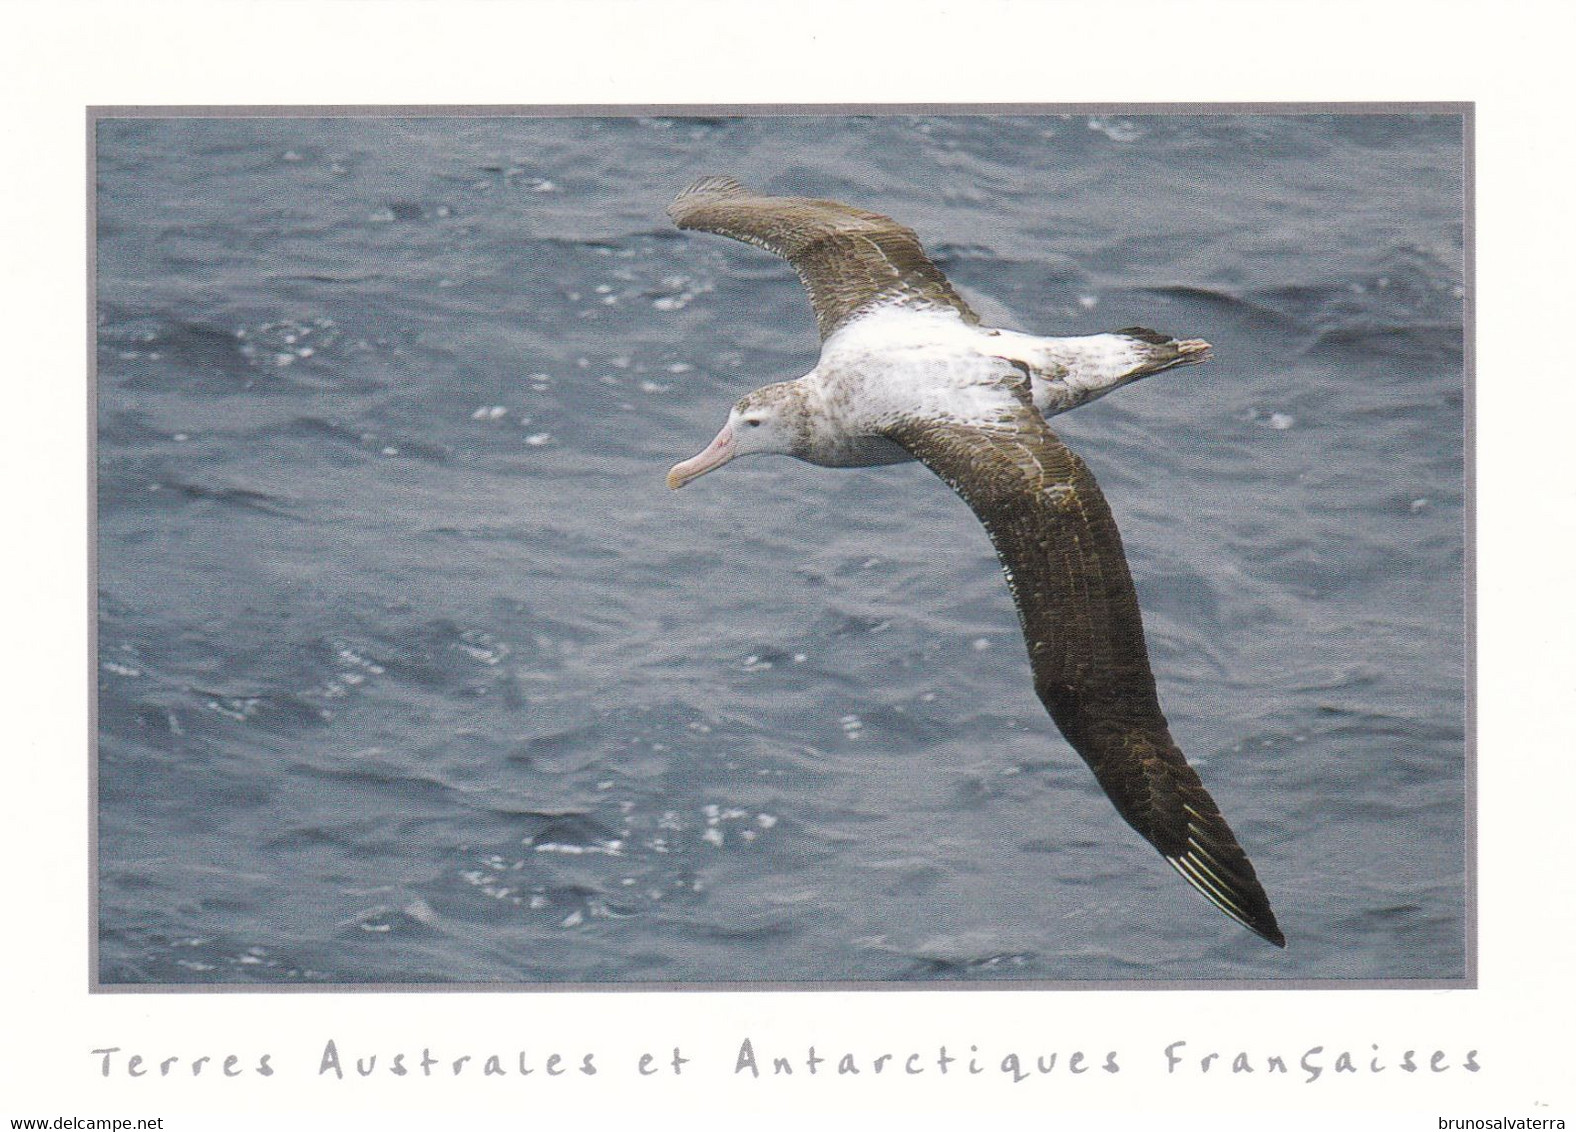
(1235, 891)
(1269, 930)
(713, 187)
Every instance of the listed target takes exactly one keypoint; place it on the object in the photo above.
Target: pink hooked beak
(716, 454)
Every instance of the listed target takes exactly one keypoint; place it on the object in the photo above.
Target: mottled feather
(849, 260)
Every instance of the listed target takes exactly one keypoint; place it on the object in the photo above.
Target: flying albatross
(907, 372)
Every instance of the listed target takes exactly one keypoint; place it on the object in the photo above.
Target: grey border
(1467, 112)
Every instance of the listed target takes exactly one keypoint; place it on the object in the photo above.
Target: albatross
(907, 372)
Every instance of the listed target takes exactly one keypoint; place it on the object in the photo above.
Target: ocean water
(412, 671)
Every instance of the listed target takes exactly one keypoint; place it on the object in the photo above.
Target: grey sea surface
(411, 670)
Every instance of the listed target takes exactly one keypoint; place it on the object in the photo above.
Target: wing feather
(1062, 555)
(849, 260)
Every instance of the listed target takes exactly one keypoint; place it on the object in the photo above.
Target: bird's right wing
(849, 260)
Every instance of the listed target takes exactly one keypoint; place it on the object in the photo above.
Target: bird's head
(772, 419)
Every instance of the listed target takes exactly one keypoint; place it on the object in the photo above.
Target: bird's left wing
(1064, 563)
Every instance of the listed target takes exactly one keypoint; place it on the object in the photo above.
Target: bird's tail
(1154, 351)
(1074, 371)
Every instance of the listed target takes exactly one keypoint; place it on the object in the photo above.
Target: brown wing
(1063, 558)
(850, 260)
